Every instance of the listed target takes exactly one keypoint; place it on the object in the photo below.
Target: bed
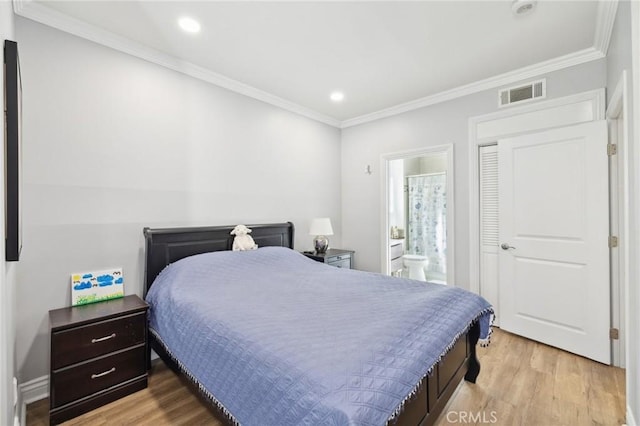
(288, 340)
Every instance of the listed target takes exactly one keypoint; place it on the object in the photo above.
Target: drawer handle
(102, 339)
(104, 373)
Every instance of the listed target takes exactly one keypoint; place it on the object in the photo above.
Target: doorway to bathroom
(418, 215)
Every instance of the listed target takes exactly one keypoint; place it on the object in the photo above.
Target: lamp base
(321, 244)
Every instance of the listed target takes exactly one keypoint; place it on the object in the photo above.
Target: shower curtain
(427, 212)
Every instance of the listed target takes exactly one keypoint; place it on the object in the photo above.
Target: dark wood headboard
(167, 245)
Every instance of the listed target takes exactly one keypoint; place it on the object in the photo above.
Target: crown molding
(38, 12)
(511, 77)
(605, 18)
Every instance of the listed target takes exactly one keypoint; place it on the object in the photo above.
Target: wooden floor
(521, 383)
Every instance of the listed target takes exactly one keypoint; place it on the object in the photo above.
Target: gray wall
(619, 59)
(435, 125)
(113, 143)
(7, 270)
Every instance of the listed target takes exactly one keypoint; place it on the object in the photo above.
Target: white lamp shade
(321, 226)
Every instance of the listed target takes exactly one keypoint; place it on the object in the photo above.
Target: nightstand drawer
(339, 257)
(341, 263)
(88, 341)
(334, 257)
(84, 379)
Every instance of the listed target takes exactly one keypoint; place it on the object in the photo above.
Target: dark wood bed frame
(165, 246)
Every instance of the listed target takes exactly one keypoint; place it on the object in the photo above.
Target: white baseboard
(631, 421)
(31, 391)
(34, 390)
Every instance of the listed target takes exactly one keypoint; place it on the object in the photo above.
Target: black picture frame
(13, 151)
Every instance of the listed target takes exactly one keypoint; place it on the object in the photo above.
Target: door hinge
(612, 149)
(613, 241)
(614, 334)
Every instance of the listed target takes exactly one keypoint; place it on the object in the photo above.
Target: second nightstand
(334, 257)
(98, 354)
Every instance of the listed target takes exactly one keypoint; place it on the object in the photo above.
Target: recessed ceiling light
(337, 96)
(189, 25)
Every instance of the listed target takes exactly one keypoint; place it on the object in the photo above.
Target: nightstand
(334, 257)
(98, 355)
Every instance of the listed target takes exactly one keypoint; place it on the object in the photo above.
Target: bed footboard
(436, 389)
(433, 394)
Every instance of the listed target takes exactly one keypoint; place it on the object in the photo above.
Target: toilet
(416, 265)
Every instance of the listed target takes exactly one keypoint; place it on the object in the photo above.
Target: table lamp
(321, 227)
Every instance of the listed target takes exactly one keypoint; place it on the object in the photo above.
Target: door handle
(505, 246)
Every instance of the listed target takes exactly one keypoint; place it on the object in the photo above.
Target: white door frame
(633, 314)
(583, 107)
(617, 114)
(487, 129)
(384, 196)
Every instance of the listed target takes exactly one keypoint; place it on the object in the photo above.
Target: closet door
(489, 203)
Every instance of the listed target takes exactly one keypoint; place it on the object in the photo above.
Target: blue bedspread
(275, 338)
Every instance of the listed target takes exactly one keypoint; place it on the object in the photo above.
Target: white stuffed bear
(243, 240)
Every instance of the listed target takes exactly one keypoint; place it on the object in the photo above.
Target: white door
(554, 222)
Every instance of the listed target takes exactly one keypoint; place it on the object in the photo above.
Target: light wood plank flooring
(521, 383)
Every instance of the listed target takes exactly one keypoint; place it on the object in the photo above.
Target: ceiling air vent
(524, 93)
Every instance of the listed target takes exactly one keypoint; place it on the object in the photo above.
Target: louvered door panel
(489, 229)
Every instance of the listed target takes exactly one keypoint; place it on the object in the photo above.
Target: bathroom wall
(433, 164)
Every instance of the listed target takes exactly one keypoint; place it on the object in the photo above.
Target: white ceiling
(380, 54)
